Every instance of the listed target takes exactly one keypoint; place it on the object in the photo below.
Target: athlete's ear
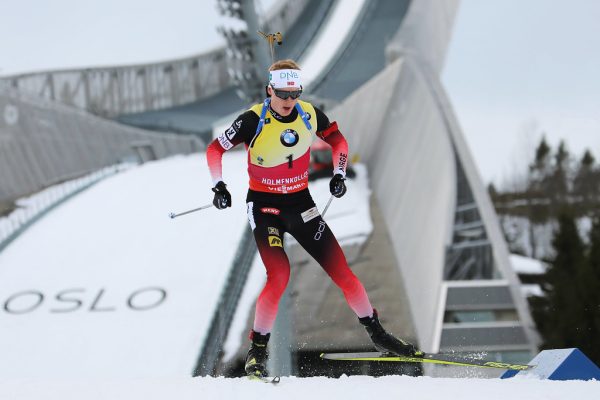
(268, 90)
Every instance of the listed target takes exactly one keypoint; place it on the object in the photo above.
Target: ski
(444, 359)
(265, 379)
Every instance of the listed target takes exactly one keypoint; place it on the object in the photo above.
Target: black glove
(337, 187)
(222, 197)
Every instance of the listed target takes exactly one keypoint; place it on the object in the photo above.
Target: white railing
(32, 208)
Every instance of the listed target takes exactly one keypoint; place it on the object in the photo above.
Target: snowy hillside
(535, 240)
(108, 276)
(107, 298)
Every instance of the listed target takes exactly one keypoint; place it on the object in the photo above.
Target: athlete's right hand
(337, 187)
(222, 197)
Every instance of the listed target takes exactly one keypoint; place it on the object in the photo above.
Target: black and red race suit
(278, 199)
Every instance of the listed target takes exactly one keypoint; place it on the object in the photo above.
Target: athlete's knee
(345, 279)
(277, 281)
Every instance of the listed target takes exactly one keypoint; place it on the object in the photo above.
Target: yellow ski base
(443, 359)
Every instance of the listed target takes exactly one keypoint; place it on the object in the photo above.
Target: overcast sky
(519, 68)
(515, 68)
(38, 34)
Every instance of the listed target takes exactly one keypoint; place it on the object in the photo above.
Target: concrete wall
(394, 124)
(43, 142)
(425, 33)
(402, 125)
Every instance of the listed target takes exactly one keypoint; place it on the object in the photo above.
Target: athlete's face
(281, 106)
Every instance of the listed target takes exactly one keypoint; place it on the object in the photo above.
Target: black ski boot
(386, 343)
(256, 360)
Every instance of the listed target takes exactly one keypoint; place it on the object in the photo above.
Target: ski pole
(326, 207)
(173, 215)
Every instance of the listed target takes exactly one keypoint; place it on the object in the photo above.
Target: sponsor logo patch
(230, 132)
(275, 241)
(224, 141)
(289, 138)
(270, 210)
(320, 230)
(233, 129)
(288, 74)
(273, 231)
(310, 214)
(342, 162)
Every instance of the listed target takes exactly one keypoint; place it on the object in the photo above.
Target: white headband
(285, 78)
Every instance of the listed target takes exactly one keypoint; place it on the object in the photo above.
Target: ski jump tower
(463, 294)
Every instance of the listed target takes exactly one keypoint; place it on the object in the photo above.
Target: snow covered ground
(107, 286)
(528, 266)
(355, 387)
(535, 240)
(34, 206)
(107, 298)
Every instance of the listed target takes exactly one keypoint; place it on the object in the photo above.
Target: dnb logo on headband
(284, 78)
(289, 138)
(288, 75)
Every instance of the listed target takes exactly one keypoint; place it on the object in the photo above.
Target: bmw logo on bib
(289, 137)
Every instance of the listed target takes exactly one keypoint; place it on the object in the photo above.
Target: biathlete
(277, 134)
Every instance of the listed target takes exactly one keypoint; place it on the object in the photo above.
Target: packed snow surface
(108, 286)
(527, 265)
(355, 387)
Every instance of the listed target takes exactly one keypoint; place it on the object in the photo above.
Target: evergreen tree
(591, 279)
(561, 313)
(541, 166)
(585, 184)
(556, 185)
(568, 314)
(493, 192)
(538, 212)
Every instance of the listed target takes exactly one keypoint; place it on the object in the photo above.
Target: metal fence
(112, 91)
(118, 90)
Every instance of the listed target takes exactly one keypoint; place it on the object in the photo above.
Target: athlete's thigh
(268, 233)
(315, 236)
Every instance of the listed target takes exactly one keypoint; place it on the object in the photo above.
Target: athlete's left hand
(222, 198)
(337, 187)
